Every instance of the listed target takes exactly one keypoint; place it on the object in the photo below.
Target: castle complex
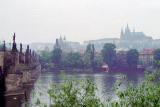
(128, 35)
(67, 46)
(129, 39)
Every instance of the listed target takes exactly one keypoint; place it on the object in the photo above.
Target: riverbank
(90, 70)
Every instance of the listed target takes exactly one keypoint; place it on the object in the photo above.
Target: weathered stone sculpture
(27, 55)
(20, 47)
(15, 54)
(30, 56)
(21, 55)
(14, 45)
(4, 46)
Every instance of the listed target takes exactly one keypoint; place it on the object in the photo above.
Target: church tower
(127, 30)
(121, 36)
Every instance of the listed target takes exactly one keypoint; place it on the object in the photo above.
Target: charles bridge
(18, 72)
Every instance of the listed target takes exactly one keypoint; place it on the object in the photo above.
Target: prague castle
(129, 35)
(129, 39)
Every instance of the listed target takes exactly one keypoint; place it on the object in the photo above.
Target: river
(103, 81)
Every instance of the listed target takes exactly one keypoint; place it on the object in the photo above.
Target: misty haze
(79, 53)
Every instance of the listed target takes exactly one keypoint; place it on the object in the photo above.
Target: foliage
(76, 93)
(132, 58)
(90, 53)
(157, 58)
(72, 93)
(86, 61)
(45, 59)
(56, 56)
(45, 56)
(98, 61)
(109, 54)
(145, 94)
(74, 60)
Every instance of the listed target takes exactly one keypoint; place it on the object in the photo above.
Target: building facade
(146, 57)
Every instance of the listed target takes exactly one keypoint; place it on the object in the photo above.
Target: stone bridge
(18, 72)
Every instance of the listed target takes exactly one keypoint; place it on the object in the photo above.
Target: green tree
(45, 56)
(109, 54)
(132, 58)
(90, 55)
(56, 56)
(157, 58)
(74, 60)
(98, 61)
(86, 61)
(73, 93)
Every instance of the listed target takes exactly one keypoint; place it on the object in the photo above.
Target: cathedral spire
(121, 32)
(127, 29)
(121, 36)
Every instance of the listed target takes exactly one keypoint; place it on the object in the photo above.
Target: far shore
(89, 70)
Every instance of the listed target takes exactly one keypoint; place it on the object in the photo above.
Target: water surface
(103, 81)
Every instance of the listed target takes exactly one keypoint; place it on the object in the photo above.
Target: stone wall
(21, 58)
(1, 59)
(15, 81)
(15, 58)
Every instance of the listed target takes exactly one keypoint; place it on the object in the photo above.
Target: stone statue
(4, 46)
(14, 47)
(27, 55)
(20, 47)
(14, 38)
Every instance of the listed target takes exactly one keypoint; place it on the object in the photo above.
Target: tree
(74, 60)
(90, 55)
(157, 58)
(109, 54)
(56, 56)
(132, 58)
(98, 61)
(45, 56)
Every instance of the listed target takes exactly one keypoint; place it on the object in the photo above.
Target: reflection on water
(103, 81)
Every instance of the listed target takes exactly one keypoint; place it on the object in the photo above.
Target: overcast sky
(78, 20)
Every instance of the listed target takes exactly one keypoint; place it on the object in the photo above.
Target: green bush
(73, 93)
(145, 94)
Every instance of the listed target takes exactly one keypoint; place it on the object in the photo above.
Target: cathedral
(129, 39)
(129, 35)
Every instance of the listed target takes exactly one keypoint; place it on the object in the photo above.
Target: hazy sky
(78, 20)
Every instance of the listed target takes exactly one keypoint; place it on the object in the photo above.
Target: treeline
(59, 59)
(90, 59)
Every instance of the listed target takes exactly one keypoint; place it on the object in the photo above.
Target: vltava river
(103, 81)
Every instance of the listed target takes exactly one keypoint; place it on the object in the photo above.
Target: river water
(103, 81)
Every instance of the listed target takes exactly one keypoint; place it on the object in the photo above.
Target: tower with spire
(126, 34)
(121, 36)
(132, 35)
